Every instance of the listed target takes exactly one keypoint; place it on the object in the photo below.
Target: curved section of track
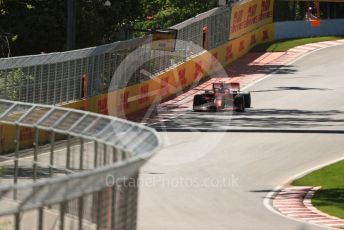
(305, 98)
(177, 115)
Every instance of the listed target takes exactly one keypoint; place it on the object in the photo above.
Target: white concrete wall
(298, 29)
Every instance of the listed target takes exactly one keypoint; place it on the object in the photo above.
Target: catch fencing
(81, 172)
(68, 76)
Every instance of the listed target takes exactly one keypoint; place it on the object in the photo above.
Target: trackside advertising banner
(250, 15)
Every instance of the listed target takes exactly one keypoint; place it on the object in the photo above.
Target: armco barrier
(301, 29)
(89, 181)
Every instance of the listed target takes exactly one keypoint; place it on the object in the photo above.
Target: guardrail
(68, 76)
(83, 176)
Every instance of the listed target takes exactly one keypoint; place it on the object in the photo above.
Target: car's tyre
(242, 105)
(247, 98)
(239, 103)
(197, 101)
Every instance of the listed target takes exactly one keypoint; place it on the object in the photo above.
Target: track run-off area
(219, 179)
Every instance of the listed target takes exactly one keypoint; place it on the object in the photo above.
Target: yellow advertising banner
(250, 15)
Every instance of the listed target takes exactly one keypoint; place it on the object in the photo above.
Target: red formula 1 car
(223, 96)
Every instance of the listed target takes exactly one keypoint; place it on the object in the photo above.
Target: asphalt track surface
(218, 179)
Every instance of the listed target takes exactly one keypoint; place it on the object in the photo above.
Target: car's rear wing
(234, 86)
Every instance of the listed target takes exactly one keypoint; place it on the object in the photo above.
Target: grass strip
(330, 198)
(284, 45)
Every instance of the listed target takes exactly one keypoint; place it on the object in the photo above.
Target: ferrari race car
(223, 96)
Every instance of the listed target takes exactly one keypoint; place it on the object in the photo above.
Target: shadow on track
(264, 120)
(293, 88)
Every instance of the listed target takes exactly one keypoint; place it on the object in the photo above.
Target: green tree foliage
(35, 26)
(297, 10)
(165, 13)
(11, 83)
(98, 24)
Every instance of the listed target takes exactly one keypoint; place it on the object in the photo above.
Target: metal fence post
(80, 212)
(35, 153)
(55, 83)
(47, 101)
(81, 159)
(40, 218)
(52, 146)
(113, 206)
(16, 159)
(68, 152)
(17, 221)
(41, 84)
(62, 215)
(105, 154)
(95, 154)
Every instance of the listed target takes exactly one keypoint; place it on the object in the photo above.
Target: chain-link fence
(61, 77)
(77, 170)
